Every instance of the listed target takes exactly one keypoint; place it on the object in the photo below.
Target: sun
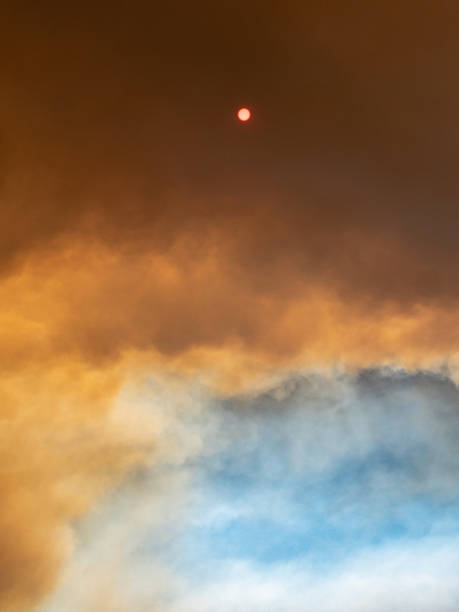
(244, 114)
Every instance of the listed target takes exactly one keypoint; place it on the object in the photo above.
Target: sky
(229, 351)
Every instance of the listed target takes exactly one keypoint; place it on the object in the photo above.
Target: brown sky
(138, 216)
(118, 126)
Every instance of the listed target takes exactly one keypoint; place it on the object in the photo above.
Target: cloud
(326, 233)
(320, 492)
(141, 231)
(64, 445)
(418, 577)
(99, 306)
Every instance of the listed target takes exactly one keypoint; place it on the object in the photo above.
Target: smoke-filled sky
(229, 350)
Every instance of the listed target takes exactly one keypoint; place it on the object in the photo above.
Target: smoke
(317, 491)
(142, 233)
(62, 449)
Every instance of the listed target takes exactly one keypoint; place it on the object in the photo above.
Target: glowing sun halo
(243, 114)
